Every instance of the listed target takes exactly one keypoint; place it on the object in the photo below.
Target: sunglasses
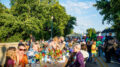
(22, 49)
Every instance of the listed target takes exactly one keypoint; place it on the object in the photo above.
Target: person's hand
(109, 48)
(115, 44)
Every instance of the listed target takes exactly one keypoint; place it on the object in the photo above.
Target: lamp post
(51, 27)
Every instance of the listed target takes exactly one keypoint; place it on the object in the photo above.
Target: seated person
(22, 60)
(32, 53)
(11, 57)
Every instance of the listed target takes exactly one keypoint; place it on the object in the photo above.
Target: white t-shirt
(85, 54)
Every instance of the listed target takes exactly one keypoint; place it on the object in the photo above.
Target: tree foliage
(110, 9)
(27, 17)
(69, 27)
(91, 33)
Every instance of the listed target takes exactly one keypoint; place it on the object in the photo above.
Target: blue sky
(6, 3)
(87, 16)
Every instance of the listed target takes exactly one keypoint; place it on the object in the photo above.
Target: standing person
(76, 59)
(94, 51)
(99, 46)
(32, 39)
(21, 56)
(78, 40)
(109, 47)
(84, 38)
(11, 57)
(89, 50)
(70, 48)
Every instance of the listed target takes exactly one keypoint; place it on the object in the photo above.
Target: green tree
(8, 26)
(70, 25)
(2, 8)
(91, 33)
(110, 9)
(27, 17)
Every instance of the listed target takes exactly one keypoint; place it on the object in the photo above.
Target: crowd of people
(72, 51)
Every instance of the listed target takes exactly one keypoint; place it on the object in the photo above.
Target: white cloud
(86, 15)
(77, 9)
(80, 5)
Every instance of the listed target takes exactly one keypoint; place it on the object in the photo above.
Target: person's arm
(97, 44)
(51, 45)
(68, 61)
(80, 60)
(57, 46)
(115, 46)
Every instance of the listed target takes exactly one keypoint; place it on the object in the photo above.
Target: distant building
(98, 33)
(106, 32)
(74, 35)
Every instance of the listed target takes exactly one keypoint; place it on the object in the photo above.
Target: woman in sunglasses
(21, 56)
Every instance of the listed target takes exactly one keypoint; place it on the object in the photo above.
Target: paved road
(100, 62)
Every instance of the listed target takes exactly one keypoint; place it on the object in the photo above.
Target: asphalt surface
(100, 62)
